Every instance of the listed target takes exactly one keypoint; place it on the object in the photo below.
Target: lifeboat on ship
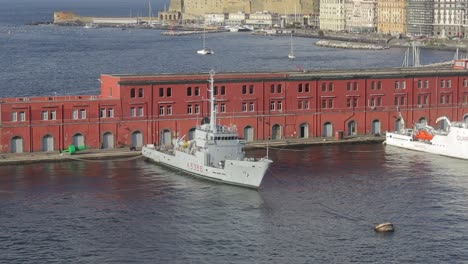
(424, 135)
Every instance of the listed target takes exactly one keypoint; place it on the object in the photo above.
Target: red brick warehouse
(133, 110)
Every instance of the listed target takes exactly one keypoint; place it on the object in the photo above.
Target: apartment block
(391, 17)
(332, 15)
(361, 15)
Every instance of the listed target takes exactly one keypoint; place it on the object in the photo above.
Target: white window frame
(140, 111)
(161, 110)
(45, 115)
(83, 113)
(53, 115)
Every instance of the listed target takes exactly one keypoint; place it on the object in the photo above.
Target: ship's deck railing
(220, 129)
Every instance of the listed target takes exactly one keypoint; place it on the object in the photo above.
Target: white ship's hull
(205, 52)
(454, 144)
(235, 172)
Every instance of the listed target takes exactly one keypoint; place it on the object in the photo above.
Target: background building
(391, 16)
(420, 17)
(361, 15)
(449, 18)
(332, 15)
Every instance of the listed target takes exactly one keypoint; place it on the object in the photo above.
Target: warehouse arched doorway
(352, 128)
(137, 139)
(78, 140)
(276, 132)
(327, 129)
(166, 137)
(108, 140)
(249, 133)
(376, 127)
(48, 143)
(17, 145)
(304, 130)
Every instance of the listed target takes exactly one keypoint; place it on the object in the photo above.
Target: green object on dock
(72, 149)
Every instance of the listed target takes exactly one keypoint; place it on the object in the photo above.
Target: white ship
(216, 153)
(451, 141)
(205, 50)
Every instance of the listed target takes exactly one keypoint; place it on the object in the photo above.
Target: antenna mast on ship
(212, 103)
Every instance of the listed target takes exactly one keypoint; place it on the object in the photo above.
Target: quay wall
(133, 110)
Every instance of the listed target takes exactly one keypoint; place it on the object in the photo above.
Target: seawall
(122, 154)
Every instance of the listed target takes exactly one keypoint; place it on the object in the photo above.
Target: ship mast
(212, 103)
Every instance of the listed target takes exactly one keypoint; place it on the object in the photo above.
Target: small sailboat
(205, 50)
(291, 54)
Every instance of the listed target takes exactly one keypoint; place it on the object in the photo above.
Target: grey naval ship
(215, 153)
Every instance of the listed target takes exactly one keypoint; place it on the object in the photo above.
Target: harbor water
(317, 204)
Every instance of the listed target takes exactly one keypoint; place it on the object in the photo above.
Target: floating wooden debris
(384, 227)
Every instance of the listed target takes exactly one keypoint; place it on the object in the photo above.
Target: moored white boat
(452, 141)
(205, 50)
(215, 153)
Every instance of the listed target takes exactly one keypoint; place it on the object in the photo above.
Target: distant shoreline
(354, 40)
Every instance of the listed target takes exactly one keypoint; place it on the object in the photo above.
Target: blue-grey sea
(317, 204)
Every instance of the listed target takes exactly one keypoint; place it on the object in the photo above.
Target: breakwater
(348, 45)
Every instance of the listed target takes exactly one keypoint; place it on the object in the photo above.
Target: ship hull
(454, 144)
(235, 172)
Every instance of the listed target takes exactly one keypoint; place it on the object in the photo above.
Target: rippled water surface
(316, 205)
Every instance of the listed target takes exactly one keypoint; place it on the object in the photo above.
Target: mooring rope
(274, 172)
